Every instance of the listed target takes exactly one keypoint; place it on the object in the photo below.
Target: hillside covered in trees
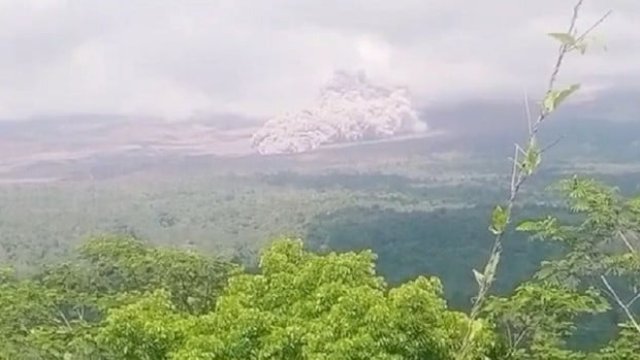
(120, 298)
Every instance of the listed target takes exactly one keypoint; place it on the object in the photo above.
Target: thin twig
(509, 335)
(514, 170)
(624, 307)
(562, 51)
(626, 242)
(64, 318)
(595, 25)
(525, 330)
(554, 143)
(633, 300)
(520, 338)
(528, 113)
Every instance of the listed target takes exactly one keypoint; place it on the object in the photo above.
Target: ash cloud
(349, 108)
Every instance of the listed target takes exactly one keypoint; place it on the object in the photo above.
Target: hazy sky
(174, 58)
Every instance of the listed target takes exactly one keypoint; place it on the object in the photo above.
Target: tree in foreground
(302, 306)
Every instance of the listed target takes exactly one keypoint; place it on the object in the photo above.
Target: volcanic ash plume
(348, 109)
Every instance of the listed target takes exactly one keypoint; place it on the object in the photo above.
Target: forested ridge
(121, 298)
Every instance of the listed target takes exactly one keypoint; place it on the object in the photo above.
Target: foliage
(306, 306)
(299, 306)
(625, 347)
(600, 251)
(120, 298)
(538, 319)
(68, 310)
(125, 264)
(147, 329)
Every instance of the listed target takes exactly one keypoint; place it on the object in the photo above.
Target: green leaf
(564, 38)
(554, 98)
(532, 158)
(528, 226)
(499, 219)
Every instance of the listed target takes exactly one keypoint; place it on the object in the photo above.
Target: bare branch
(514, 170)
(528, 113)
(562, 51)
(509, 335)
(592, 27)
(622, 305)
(626, 242)
(633, 300)
(525, 331)
(554, 143)
(64, 318)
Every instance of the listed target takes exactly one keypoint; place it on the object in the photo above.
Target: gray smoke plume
(348, 109)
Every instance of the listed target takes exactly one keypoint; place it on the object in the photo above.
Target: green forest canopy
(120, 298)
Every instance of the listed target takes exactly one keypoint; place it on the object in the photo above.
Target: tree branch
(64, 318)
(633, 300)
(528, 113)
(626, 242)
(554, 143)
(622, 305)
(562, 51)
(518, 178)
(595, 25)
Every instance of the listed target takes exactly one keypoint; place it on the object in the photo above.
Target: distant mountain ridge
(48, 147)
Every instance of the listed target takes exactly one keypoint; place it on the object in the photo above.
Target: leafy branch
(600, 250)
(527, 159)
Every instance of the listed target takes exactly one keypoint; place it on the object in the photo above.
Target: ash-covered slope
(348, 109)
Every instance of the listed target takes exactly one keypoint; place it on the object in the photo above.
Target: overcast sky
(175, 58)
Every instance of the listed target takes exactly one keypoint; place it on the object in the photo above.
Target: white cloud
(173, 58)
